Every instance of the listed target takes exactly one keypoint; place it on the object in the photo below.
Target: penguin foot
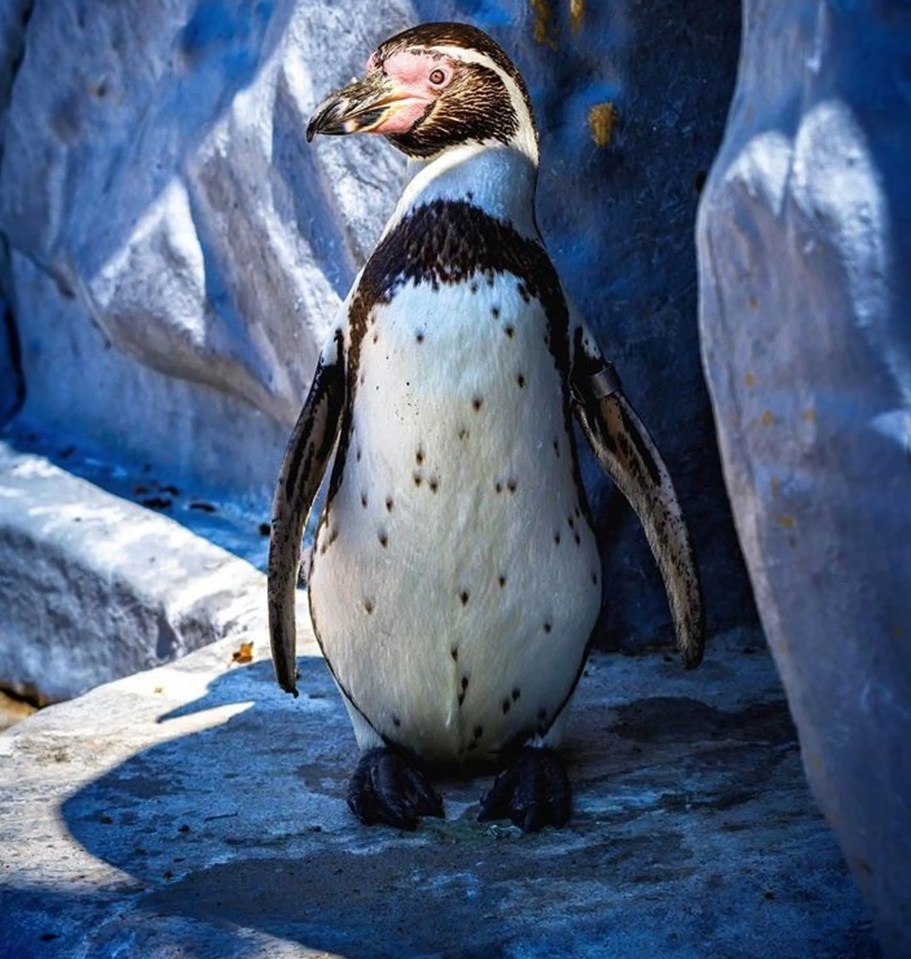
(533, 791)
(388, 788)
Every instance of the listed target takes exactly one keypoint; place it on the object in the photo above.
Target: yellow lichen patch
(543, 30)
(243, 654)
(749, 379)
(788, 522)
(576, 13)
(601, 120)
(767, 419)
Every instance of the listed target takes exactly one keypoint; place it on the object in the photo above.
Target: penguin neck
(499, 180)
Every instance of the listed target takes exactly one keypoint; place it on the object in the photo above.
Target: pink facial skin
(417, 82)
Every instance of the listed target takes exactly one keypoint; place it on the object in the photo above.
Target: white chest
(455, 581)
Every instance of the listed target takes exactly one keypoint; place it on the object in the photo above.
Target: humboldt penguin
(455, 581)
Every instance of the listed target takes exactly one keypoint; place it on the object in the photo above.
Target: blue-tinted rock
(177, 245)
(805, 249)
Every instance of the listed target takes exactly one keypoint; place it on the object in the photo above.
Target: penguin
(455, 580)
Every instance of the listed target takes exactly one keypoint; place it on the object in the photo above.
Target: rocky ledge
(193, 810)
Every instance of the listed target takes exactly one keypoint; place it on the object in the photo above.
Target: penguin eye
(437, 77)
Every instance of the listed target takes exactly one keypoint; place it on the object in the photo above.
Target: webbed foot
(388, 788)
(533, 791)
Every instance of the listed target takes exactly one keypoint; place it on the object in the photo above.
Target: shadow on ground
(693, 835)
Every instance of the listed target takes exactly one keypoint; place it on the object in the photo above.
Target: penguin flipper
(628, 454)
(302, 469)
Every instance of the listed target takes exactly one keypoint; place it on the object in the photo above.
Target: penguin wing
(302, 469)
(629, 456)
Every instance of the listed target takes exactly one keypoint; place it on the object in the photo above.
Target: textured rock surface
(93, 587)
(805, 244)
(14, 15)
(169, 231)
(177, 245)
(194, 810)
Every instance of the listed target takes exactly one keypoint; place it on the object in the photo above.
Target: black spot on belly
(498, 486)
(383, 538)
(557, 538)
(419, 337)
(463, 433)
(547, 627)
(419, 456)
(507, 705)
(501, 579)
(478, 732)
(509, 331)
(520, 379)
(477, 402)
(578, 539)
(557, 449)
(368, 605)
(495, 312)
(364, 500)
(396, 721)
(434, 484)
(463, 596)
(511, 485)
(454, 652)
(516, 693)
(417, 477)
(464, 683)
(389, 504)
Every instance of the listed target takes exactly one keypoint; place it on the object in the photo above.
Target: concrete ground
(194, 811)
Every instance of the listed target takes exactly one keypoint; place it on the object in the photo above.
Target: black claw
(533, 791)
(387, 788)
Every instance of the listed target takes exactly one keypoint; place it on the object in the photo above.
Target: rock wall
(176, 251)
(805, 252)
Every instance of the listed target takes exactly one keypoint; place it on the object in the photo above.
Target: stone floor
(195, 811)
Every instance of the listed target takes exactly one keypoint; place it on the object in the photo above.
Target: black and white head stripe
(486, 101)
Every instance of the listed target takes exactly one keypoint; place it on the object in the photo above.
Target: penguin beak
(375, 104)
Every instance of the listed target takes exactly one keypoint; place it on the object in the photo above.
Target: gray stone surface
(805, 246)
(176, 244)
(196, 811)
(94, 587)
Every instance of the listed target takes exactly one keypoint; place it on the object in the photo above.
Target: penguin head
(432, 88)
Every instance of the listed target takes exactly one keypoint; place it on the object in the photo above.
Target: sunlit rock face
(805, 253)
(177, 251)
